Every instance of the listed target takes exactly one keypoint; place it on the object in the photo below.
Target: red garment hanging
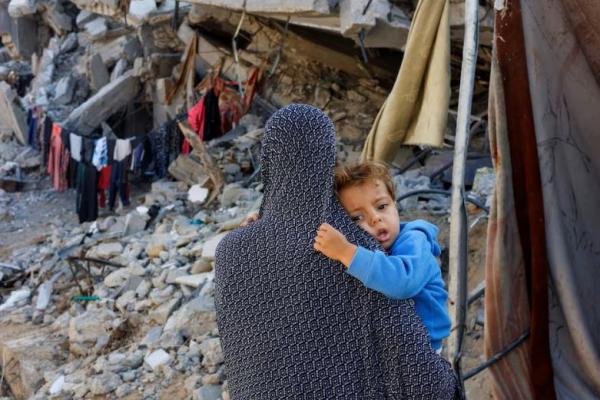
(196, 121)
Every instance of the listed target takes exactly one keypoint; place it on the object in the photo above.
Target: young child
(409, 268)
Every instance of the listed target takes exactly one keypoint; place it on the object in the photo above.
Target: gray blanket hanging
(292, 323)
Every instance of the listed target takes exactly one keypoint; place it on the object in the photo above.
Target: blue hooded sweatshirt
(409, 271)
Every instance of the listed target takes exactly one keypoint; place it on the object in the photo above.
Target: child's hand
(250, 218)
(333, 244)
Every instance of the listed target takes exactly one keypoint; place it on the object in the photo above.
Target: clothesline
(96, 164)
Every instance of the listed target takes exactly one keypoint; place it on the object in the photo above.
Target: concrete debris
(11, 114)
(110, 99)
(16, 298)
(197, 194)
(210, 247)
(157, 358)
(64, 90)
(91, 331)
(96, 28)
(20, 8)
(148, 329)
(57, 386)
(97, 73)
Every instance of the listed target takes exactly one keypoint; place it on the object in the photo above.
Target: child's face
(373, 209)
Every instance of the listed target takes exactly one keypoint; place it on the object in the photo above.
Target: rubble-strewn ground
(123, 307)
(135, 339)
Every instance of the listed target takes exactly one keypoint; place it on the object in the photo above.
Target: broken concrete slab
(64, 90)
(69, 43)
(210, 246)
(201, 310)
(83, 18)
(23, 34)
(157, 358)
(28, 357)
(272, 6)
(92, 330)
(188, 169)
(110, 99)
(11, 113)
(20, 8)
(119, 69)
(56, 17)
(197, 194)
(111, 50)
(96, 28)
(97, 73)
(194, 281)
(139, 10)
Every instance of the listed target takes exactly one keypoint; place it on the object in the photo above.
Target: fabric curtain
(416, 110)
(562, 44)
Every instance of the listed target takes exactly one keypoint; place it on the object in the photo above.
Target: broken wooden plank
(210, 166)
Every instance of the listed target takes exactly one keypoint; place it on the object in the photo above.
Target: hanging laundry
(103, 184)
(230, 108)
(45, 139)
(118, 184)
(87, 200)
(100, 157)
(75, 146)
(32, 127)
(196, 121)
(87, 183)
(250, 88)
(166, 145)
(212, 116)
(122, 149)
(58, 159)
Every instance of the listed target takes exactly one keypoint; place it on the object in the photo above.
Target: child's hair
(346, 176)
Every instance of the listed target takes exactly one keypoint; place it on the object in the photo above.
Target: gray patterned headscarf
(292, 323)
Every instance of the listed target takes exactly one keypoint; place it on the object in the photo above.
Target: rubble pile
(123, 307)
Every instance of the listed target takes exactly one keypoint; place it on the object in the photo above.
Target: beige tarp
(566, 106)
(416, 110)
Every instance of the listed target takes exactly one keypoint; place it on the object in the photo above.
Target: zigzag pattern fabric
(294, 325)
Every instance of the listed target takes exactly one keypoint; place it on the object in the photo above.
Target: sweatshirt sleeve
(399, 276)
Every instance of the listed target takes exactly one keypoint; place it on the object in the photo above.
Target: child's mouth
(382, 235)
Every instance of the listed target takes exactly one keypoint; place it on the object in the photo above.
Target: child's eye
(356, 218)
(382, 206)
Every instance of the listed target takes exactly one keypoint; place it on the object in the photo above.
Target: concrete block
(96, 29)
(139, 10)
(97, 73)
(110, 99)
(24, 35)
(83, 18)
(157, 358)
(11, 113)
(196, 280)
(20, 8)
(210, 246)
(273, 6)
(57, 19)
(120, 68)
(64, 90)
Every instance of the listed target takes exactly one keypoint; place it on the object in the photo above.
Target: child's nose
(375, 219)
